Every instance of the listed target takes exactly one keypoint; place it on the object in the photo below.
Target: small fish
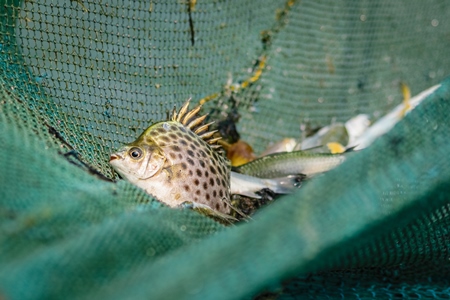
(279, 165)
(176, 162)
(388, 121)
(356, 126)
(334, 133)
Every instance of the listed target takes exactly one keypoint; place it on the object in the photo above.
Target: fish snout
(113, 157)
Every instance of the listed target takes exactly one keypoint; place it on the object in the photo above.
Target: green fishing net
(78, 78)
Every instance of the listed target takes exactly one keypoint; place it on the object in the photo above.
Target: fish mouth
(113, 157)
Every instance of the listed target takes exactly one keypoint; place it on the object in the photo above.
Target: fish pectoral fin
(209, 212)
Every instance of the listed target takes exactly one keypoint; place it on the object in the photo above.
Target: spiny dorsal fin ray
(174, 114)
(189, 119)
(201, 129)
(196, 122)
(182, 110)
(214, 140)
(208, 135)
(191, 114)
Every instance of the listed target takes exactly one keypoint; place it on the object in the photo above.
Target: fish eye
(135, 153)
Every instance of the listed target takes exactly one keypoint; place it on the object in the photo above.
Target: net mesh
(79, 78)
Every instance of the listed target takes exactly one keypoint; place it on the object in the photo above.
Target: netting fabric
(79, 78)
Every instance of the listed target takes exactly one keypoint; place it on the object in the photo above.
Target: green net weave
(78, 78)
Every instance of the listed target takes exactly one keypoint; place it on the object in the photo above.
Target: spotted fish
(176, 161)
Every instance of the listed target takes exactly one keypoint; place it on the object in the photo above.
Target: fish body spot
(175, 148)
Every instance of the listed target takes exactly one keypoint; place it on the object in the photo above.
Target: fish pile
(178, 162)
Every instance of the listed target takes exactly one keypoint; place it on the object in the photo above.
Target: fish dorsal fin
(191, 120)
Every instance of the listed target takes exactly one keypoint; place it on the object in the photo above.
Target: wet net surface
(80, 78)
